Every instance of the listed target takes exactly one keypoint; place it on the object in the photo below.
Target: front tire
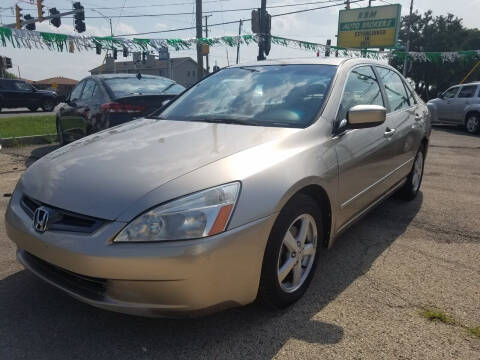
(292, 251)
(33, 108)
(472, 124)
(61, 138)
(410, 190)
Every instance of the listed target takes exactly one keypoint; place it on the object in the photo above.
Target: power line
(236, 21)
(193, 13)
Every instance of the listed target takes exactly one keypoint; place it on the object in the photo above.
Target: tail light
(114, 107)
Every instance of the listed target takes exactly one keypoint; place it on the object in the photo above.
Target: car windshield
(125, 86)
(270, 95)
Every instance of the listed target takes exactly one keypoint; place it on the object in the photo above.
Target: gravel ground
(364, 302)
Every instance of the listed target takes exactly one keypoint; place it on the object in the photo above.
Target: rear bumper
(158, 279)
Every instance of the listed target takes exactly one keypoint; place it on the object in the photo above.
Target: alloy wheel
(417, 171)
(297, 253)
(473, 124)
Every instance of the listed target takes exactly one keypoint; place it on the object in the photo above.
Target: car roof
(122, 75)
(311, 61)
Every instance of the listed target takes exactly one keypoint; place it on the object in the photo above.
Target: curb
(28, 140)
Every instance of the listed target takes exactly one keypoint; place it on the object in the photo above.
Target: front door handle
(389, 132)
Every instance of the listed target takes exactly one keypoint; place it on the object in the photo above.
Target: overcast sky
(315, 26)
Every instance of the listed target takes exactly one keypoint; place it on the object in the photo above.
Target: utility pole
(238, 44)
(347, 4)
(198, 11)
(263, 11)
(206, 35)
(370, 3)
(408, 39)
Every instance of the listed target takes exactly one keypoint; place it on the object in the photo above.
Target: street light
(111, 34)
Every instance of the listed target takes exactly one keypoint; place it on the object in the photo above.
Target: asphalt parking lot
(365, 300)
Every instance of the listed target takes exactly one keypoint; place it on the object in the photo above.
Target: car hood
(102, 174)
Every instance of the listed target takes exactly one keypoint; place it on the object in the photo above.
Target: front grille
(62, 220)
(93, 288)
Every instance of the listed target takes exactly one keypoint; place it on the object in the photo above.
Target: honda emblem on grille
(40, 219)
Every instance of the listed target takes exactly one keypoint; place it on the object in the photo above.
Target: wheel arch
(320, 195)
(470, 113)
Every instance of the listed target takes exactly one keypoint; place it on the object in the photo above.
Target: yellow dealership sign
(370, 27)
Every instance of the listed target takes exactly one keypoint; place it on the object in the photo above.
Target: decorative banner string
(61, 42)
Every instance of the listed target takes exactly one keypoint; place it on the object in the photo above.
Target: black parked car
(18, 93)
(102, 101)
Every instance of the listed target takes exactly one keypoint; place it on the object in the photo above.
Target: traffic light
(31, 26)
(79, 17)
(56, 21)
(125, 52)
(40, 7)
(18, 16)
(267, 31)
(115, 53)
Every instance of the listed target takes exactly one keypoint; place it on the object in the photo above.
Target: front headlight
(193, 216)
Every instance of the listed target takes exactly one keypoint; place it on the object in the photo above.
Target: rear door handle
(418, 117)
(389, 132)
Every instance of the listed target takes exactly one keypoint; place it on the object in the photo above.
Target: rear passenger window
(467, 91)
(394, 88)
(361, 88)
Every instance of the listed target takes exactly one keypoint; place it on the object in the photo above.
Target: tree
(440, 33)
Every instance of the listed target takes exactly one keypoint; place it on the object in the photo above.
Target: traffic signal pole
(263, 10)
(198, 13)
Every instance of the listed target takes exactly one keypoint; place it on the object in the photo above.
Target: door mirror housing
(364, 116)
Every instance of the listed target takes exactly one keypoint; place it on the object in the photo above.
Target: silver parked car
(230, 193)
(458, 105)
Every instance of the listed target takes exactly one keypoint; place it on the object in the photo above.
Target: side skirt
(365, 211)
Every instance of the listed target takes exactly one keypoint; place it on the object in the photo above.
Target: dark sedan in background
(102, 101)
(18, 93)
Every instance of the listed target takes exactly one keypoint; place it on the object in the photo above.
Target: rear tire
(472, 124)
(48, 105)
(410, 190)
(290, 258)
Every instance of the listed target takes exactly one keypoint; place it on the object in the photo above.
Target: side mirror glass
(364, 116)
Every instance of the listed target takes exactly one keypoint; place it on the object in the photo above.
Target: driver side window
(450, 93)
(77, 92)
(361, 88)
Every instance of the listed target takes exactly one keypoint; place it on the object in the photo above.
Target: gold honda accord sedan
(227, 194)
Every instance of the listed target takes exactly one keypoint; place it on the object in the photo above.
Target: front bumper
(151, 279)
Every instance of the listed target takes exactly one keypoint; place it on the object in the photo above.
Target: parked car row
(18, 93)
(229, 193)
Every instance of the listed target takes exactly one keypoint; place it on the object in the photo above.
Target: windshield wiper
(226, 121)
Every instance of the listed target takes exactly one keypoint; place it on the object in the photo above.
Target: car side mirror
(364, 116)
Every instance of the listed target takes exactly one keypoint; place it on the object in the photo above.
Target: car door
(24, 94)
(463, 99)
(362, 154)
(406, 121)
(68, 113)
(85, 108)
(444, 103)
